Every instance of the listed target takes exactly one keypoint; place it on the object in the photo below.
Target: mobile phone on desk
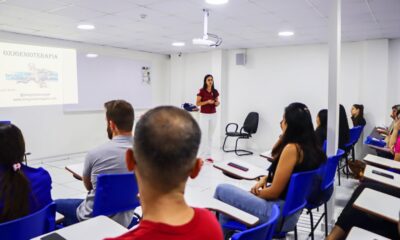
(238, 166)
(53, 236)
(383, 174)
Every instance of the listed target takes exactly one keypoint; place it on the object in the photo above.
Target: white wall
(49, 131)
(275, 77)
(393, 96)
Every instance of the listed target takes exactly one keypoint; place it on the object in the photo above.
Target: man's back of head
(121, 113)
(166, 143)
(120, 116)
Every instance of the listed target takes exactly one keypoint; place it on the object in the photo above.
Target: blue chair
(115, 193)
(296, 199)
(261, 232)
(33, 225)
(355, 134)
(325, 190)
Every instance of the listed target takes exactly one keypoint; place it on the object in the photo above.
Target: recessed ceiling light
(86, 26)
(217, 2)
(286, 34)
(178, 44)
(92, 55)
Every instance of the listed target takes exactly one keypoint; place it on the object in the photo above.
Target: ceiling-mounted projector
(208, 40)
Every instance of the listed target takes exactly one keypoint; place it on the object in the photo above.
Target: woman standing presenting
(207, 99)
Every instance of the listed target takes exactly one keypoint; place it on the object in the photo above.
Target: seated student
(163, 158)
(295, 151)
(393, 114)
(23, 190)
(322, 125)
(357, 115)
(344, 132)
(105, 159)
(353, 217)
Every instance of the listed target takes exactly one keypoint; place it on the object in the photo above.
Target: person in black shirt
(322, 124)
(357, 115)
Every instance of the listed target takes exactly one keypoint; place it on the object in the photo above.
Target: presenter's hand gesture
(210, 101)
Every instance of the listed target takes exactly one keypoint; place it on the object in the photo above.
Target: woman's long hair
(344, 132)
(14, 186)
(300, 131)
(322, 129)
(205, 84)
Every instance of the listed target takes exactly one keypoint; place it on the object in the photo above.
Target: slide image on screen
(34, 75)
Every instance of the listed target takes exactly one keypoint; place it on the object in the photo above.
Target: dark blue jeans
(67, 207)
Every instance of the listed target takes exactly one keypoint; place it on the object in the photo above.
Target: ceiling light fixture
(286, 34)
(92, 55)
(86, 26)
(209, 39)
(217, 2)
(178, 44)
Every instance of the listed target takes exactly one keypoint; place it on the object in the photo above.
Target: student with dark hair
(295, 151)
(106, 159)
(344, 132)
(357, 115)
(23, 190)
(322, 126)
(163, 158)
(208, 100)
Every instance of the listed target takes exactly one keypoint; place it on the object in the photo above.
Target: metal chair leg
(347, 166)
(223, 145)
(326, 219)
(312, 225)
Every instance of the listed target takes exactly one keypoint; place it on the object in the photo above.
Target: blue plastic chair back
(115, 193)
(355, 134)
(298, 191)
(33, 225)
(261, 232)
(328, 176)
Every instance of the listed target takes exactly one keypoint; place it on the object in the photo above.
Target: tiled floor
(65, 186)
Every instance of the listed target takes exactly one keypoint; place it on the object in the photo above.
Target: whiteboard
(106, 78)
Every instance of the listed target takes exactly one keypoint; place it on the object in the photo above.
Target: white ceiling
(241, 23)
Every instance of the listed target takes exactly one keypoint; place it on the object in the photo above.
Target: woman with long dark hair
(357, 115)
(23, 190)
(344, 132)
(295, 151)
(322, 126)
(208, 100)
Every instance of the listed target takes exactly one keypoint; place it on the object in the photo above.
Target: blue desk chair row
(323, 194)
(33, 225)
(296, 200)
